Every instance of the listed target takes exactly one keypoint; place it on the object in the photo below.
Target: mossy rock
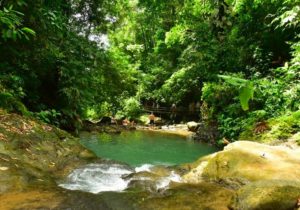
(188, 197)
(268, 195)
(35, 151)
(243, 162)
(234, 164)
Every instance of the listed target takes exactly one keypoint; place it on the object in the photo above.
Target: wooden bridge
(168, 110)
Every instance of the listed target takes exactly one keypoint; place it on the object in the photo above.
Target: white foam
(97, 178)
(144, 167)
(165, 181)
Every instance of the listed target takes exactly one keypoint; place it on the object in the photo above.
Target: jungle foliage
(240, 59)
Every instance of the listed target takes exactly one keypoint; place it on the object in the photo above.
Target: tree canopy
(74, 59)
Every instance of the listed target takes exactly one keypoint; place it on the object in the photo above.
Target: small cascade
(165, 181)
(97, 178)
(113, 177)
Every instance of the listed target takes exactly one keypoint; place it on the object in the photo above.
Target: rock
(157, 178)
(86, 154)
(4, 168)
(104, 121)
(112, 129)
(207, 132)
(34, 151)
(159, 121)
(264, 176)
(132, 128)
(192, 126)
(241, 161)
(87, 123)
(270, 194)
(187, 196)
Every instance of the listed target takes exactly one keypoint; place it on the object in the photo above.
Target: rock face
(34, 153)
(206, 132)
(265, 177)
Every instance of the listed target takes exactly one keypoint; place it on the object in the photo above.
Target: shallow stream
(136, 159)
(145, 147)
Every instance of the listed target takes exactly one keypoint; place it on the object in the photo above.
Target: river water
(144, 158)
(146, 147)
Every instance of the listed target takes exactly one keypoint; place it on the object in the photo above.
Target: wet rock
(193, 126)
(207, 132)
(161, 171)
(186, 196)
(154, 180)
(143, 185)
(112, 129)
(104, 121)
(159, 121)
(86, 154)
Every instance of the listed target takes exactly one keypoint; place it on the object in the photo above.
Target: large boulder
(263, 176)
(207, 132)
(192, 126)
(247, 161)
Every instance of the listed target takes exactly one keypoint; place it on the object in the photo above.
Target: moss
(268, 195)
(281, 128)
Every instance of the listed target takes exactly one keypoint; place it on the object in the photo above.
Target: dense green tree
(55, 58)
(64, 66)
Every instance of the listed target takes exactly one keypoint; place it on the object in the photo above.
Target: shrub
(132, 108)
(49, 116)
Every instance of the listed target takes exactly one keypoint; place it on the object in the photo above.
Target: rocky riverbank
(263, 176)
(34, 157)
(178, 129)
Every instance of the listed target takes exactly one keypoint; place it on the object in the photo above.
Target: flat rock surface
(248, 160)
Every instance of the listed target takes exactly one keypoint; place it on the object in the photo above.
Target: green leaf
(233, 80)
(29, 31)
(246, 93)
(246, 89)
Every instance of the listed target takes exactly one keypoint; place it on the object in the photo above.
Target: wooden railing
(168, 110)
